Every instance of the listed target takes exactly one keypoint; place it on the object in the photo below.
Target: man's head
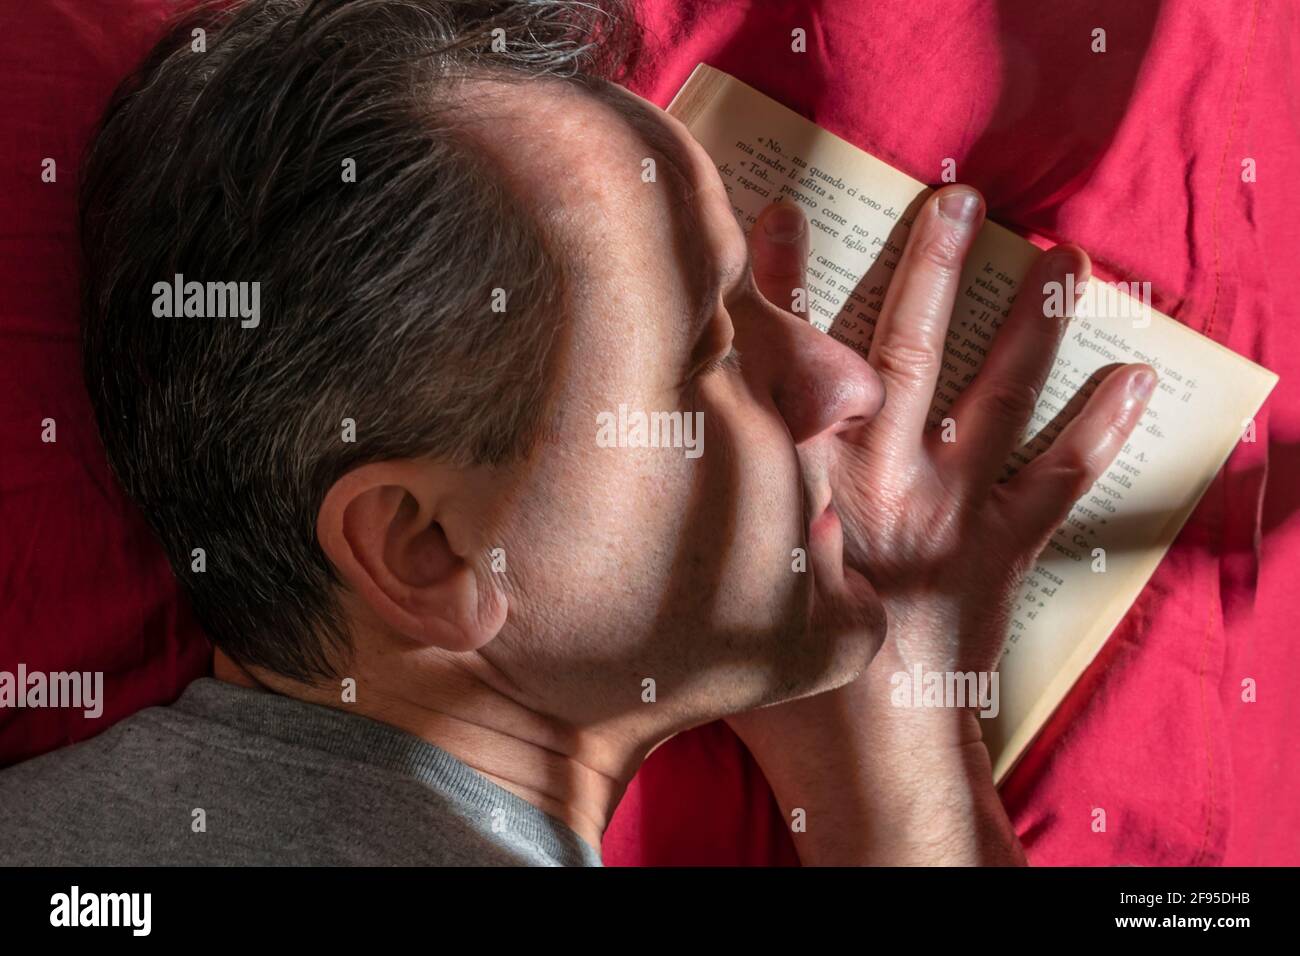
(425, 454)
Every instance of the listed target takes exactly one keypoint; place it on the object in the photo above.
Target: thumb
(779, 242)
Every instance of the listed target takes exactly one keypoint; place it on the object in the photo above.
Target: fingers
(907, 347)
(992, 412)
(1040, 496)
(779, 242)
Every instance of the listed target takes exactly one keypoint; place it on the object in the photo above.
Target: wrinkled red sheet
(1136, 153)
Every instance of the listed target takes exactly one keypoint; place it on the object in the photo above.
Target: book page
(1097, 563)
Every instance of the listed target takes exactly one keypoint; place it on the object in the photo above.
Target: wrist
(863, 782)
(917, 703)
(905, 804)
(948, 635)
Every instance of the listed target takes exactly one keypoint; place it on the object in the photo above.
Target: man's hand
(945, 544)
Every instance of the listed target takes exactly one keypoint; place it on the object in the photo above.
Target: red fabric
(83, 584)
(1135, 153)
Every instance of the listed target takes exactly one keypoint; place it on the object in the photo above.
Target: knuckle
(904, 358)
(1120, 423)
(1075, 472)
(941, 248)
(1010, 402)
(1112, 437)
(785, 275)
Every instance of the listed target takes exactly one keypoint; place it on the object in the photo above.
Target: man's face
(714, 569)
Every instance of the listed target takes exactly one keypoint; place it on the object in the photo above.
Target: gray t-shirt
(277, 781)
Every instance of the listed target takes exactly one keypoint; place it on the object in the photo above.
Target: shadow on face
(660, 535)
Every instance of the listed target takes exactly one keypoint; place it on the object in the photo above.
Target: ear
(381, 527)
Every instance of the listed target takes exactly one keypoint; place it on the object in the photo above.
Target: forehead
(573, 146)
(624, 183)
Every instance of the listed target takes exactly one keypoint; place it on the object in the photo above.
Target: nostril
(861, 394)
(821, 386)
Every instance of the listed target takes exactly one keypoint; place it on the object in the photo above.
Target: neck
(576, 776)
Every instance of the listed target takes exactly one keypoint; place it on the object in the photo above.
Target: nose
(819, 385)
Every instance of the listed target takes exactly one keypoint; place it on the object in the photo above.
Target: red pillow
(1136, 150)
(85, 585)
(1134, 153)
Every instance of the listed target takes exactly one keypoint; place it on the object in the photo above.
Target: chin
(848, 614)
(852, 654)
(835, 649)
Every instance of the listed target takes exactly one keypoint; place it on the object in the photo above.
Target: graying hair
(376, 295)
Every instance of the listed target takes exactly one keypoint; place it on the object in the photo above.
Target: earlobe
(380, 526)
(482, 614)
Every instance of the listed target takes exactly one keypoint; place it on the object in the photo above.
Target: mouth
(844, 602)
(826, 550)
(845, 596)
(826, 542)
(826, 524)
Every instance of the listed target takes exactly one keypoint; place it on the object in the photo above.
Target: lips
(826, 521)
(817, 494)
(825, 532)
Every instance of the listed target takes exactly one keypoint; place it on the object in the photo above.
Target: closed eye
(729, 362)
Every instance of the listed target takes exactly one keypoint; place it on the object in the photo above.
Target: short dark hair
(376, 295)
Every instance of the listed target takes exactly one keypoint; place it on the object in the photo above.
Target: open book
(1097, 563)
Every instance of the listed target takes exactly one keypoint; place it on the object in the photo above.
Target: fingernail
(960, 205)
(1061, 263)
(785, 223)
(1142, 384)
(1063, 269)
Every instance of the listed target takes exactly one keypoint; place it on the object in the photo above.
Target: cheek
(621, 535)
(600, 532)
(750, 516)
